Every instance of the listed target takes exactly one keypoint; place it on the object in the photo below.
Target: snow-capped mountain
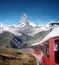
(24, 25)
(23, 34)
(24, 21)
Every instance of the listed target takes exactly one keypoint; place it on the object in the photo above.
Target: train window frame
(41, 47)
(46, 49)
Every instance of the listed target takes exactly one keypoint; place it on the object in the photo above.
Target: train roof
(53, 33)
(34, 44)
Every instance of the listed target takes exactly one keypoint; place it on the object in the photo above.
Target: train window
(31, 46)
(46, 49)
(56, 51)
(41, 47)
(36, 48)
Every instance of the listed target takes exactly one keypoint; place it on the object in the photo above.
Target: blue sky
(38, 11)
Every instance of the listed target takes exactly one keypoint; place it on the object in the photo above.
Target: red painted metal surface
(35, 52)
(51, 59)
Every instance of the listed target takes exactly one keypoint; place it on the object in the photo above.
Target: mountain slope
(9, 56)
(8, 39)
(5, 39)
(39, 36)
(20, 41)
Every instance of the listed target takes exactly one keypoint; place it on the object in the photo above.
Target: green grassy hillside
(9, 56)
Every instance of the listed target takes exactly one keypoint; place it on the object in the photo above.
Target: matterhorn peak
(23, 18)
(24, 21)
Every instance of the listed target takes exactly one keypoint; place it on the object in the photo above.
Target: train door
(56, 51)
(45, 58)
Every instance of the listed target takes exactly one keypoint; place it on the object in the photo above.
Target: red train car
(49, 48)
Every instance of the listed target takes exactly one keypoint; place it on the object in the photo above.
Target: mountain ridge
(23, 34)
(24, 25)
